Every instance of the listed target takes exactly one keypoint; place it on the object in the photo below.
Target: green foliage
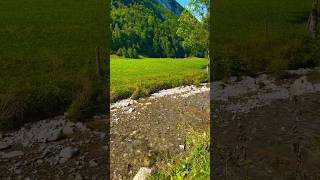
(193, 33)
(143, 28)
(194, 165)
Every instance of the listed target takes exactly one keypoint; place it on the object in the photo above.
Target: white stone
(143, 174)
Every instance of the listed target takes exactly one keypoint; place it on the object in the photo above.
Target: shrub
(120, 52)
(131, 53)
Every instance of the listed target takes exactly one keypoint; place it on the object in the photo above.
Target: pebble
(130, 110)
(181, 147)
(143, 174)
(68, 152)
(93, 163)
(67, 130)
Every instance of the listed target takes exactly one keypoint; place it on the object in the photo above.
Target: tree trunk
(313, 20)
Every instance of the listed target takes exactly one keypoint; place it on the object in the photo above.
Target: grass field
(139, 77)
(47, 55)
(241, 20)
(251, 36)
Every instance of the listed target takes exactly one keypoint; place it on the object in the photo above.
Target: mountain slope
(146, 27)
(155, 5)
(172, 5)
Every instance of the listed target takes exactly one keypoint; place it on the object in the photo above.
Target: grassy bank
(140, 77)
(47, 57)
(195, 164)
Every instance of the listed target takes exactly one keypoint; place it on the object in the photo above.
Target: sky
(184, 3)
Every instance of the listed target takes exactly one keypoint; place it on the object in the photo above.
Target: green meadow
(140, 77)
(252, 36)
(245, 19)
(47, 57)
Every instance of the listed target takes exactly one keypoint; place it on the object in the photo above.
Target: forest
(151, 30)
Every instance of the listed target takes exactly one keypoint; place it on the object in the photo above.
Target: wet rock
(68, 152)
(143, 174)
(12, 154)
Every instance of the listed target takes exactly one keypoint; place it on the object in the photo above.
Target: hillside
(172, 5)
(146, 28)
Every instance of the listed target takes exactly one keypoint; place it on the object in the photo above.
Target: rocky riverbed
(146, 132)
(264, 127)
(267, 127)
(55, 149)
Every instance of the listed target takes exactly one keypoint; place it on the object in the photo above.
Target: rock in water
(68, 152)
(143, 174)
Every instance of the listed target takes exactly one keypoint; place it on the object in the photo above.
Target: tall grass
(195, 164)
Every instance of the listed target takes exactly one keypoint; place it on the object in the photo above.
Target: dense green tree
(150, 32)
(193, 27)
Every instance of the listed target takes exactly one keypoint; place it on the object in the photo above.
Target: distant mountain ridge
(172, 5)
